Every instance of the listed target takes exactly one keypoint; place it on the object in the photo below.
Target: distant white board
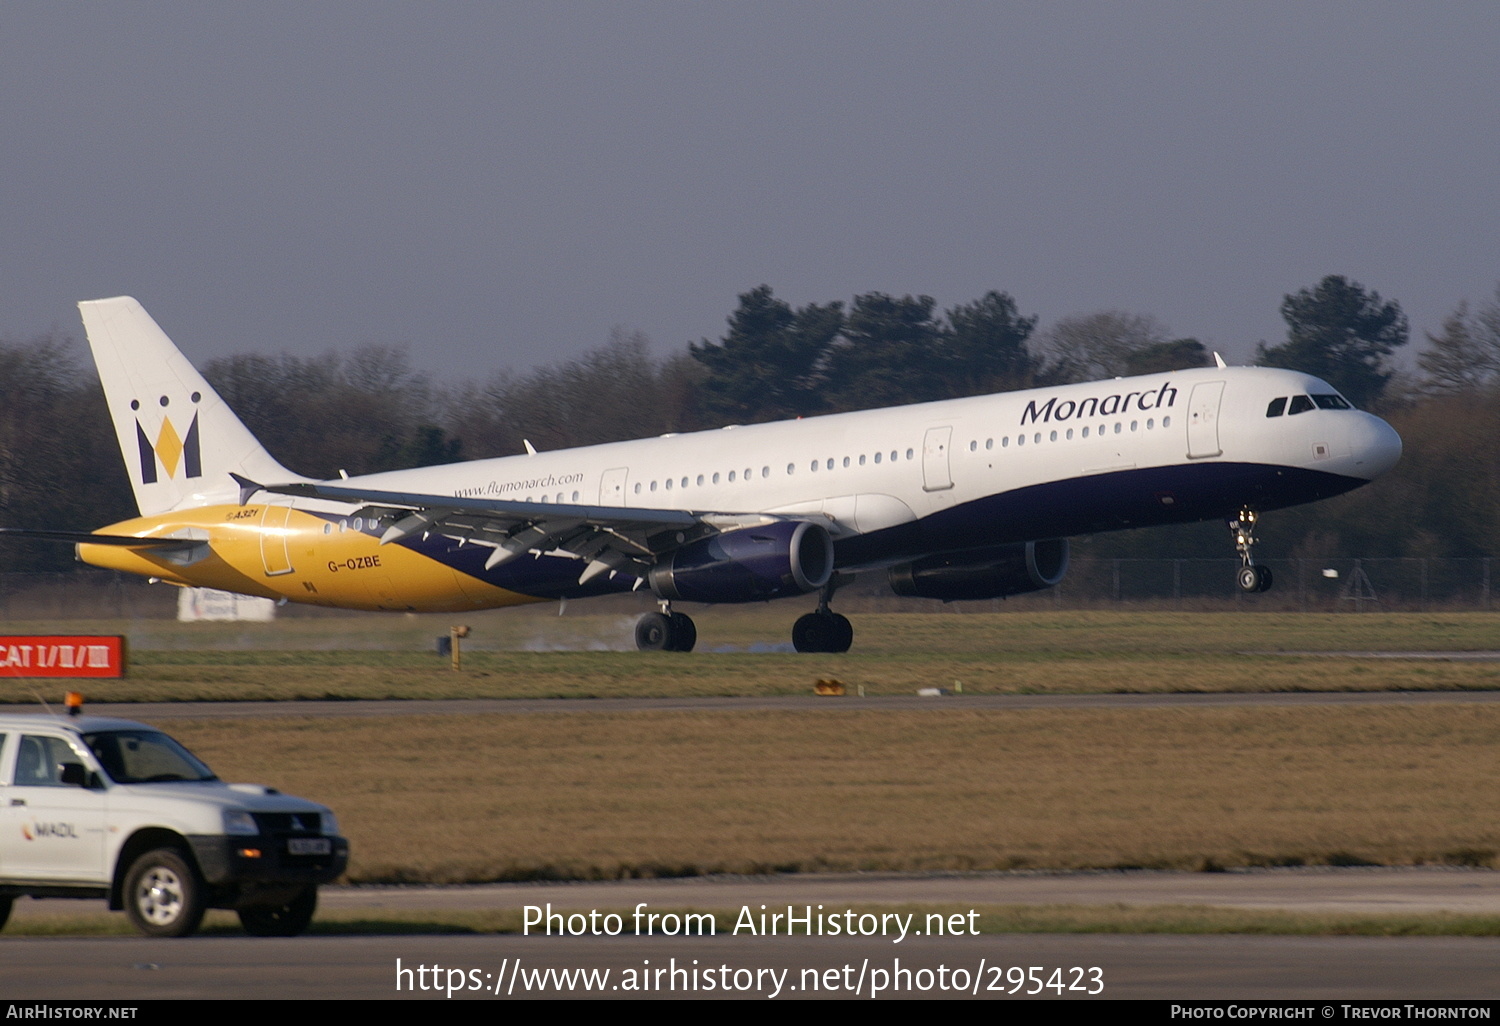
(209, 604)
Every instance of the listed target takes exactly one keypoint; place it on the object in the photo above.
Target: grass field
(608, 795)
(526, 654)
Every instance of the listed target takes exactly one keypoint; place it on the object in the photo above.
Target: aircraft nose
(1374, 446)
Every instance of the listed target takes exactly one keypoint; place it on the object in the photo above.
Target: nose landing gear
(1251, 578)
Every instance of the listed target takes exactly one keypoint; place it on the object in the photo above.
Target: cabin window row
(895, 456)
(1068, 434)
(702, 479)
(813, 466)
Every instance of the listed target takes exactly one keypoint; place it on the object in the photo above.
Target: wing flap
(497, 508)
(606, 539)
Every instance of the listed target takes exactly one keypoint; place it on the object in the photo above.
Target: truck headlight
(330, 825)
(239, 823)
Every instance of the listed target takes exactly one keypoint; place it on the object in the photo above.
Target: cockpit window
(1277, 407)
(145, 757)
(1331, 402)
(1300, 404)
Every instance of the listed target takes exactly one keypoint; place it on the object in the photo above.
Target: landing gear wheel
(666, 632)
(652, 632)
(807, 633)
(684, 633)
(1251, 578)
(287, 920)
(843, 633)
(1254, 578)
(163, 896)
(822, 632)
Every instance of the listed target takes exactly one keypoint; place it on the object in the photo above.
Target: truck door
(53, 831)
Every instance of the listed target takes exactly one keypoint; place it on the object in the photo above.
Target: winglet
(1219, 361)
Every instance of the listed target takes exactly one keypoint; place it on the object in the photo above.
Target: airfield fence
(1311, 585)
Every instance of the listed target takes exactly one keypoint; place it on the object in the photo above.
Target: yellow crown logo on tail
(168, 447)
(171, 449)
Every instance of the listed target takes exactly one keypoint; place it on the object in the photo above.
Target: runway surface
(1160, 966)
(1364, 891)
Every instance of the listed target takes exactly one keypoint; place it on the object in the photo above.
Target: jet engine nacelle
(789, 557)
(984, 573)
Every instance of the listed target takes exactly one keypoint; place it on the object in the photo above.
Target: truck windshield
(145, 757)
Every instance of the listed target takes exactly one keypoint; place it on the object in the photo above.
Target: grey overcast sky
(501, 183)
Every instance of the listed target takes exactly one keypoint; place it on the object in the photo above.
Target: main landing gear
(819, 631)
(666, 631)
(823, 630)
(1251, 578)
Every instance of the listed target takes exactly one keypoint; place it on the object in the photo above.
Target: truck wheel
(162, 894)
(287, 920)
(6, 901)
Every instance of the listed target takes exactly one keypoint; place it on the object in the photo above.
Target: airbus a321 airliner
(959, 499)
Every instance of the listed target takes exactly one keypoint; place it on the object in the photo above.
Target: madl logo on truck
(85, 655)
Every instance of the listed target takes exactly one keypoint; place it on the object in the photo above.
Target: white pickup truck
(104, 808)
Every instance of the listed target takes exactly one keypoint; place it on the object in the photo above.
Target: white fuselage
(877, 469)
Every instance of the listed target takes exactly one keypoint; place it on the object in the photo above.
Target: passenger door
(1203, 420)
(612, 487)
(936, 475)
(275, 539)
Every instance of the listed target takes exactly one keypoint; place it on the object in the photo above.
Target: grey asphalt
(1365, 891)
(1317, 969)
(1174, 967)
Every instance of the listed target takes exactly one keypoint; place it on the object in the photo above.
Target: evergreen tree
(768, 365)
(1341, 333)
(893, 351)
(986, 346)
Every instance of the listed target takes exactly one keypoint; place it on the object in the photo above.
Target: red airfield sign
(79, 655)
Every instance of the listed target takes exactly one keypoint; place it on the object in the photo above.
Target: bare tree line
(369, 409)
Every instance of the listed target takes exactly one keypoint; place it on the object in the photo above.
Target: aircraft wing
(605, 538)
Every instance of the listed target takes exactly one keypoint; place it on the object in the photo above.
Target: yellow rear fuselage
(278, 552)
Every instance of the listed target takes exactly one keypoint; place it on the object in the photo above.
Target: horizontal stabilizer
(86, 538)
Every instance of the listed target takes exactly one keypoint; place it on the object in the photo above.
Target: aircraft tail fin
(180, 441)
